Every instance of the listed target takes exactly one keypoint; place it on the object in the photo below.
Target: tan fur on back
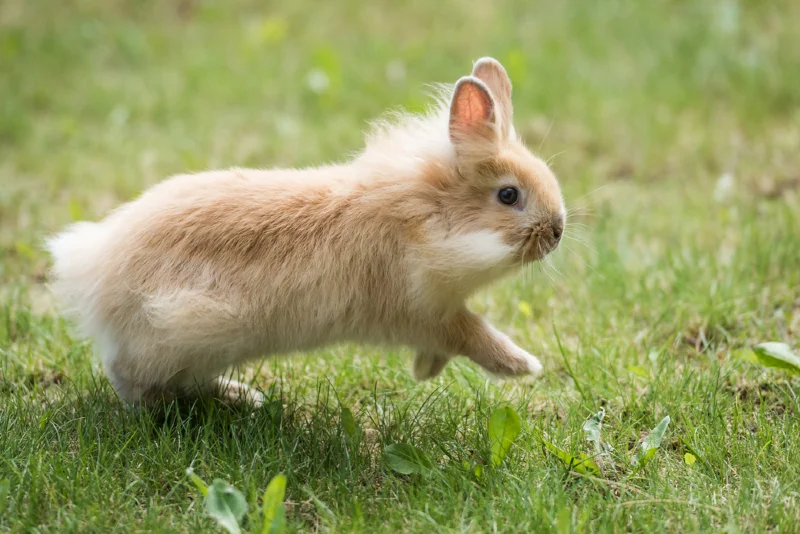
(207, 270)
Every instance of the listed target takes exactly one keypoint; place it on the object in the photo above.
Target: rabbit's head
(502, 205)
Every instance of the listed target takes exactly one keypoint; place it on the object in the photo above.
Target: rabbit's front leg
(468, 334)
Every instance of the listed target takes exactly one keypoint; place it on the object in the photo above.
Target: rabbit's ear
(472, 114)
(492, 73)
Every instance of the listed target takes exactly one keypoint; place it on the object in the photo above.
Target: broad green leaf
(504, 427)
(5, 488)
(278, 525)
(592, 428)
(582, 464)
(525, 308)
(197, 481)
(778, 355)
(650, 444)
(349, 423)
(587, 465)
(689, 458)
(226, 505)
(406, 459)
(274, 519)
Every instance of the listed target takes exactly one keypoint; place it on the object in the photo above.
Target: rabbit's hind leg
(137, 393)
(428, 365)
(191, 383)
(130, 384)
(221, 387)
(146, 385)
(234, 392)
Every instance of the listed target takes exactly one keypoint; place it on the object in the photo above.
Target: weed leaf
(274, 520)
(778, 355)
(504, 427)
(689, 458)
(349, 423)
(406, 459)
(197, 481)
(647, 450)
(582, 464)
(323, 510)
(226, 505)
(592, 428)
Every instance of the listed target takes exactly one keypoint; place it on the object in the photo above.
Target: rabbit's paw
(515, 361)
(233, 392)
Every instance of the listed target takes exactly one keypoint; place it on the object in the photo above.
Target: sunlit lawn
(674, 128)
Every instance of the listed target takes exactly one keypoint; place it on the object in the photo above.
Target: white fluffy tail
(77, 269)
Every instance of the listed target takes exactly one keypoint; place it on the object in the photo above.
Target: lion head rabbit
(205, 271)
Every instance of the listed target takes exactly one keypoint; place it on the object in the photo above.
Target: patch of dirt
(44, 379)
(765, 393)
(773, 189)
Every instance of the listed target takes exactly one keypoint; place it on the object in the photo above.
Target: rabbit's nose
(557, 227)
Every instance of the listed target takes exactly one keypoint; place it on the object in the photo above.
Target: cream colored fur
(209, 270)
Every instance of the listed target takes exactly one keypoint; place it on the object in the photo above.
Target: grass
(643, 109)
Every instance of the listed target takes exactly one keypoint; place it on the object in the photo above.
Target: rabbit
(209, 270)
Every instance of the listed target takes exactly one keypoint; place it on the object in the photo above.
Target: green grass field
(675, 130)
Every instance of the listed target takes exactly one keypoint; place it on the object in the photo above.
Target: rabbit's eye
(508, 196)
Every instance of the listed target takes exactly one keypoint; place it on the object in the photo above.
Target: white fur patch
(476, 250)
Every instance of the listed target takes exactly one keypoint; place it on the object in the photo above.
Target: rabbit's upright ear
(492, 73)
(473, 120)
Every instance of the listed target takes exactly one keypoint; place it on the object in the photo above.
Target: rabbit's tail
(77, 270)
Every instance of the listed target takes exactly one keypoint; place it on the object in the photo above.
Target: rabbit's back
(229, 265)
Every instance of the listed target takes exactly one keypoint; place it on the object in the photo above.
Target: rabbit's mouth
(539, 244)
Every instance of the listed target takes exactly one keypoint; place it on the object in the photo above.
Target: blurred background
(99, 98)
(672, 125)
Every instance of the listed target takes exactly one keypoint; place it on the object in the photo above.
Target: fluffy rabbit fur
(209, 270)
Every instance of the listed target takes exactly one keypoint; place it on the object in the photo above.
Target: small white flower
(724, 187)
(728, 17)
(317, 81)
(287, 126)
